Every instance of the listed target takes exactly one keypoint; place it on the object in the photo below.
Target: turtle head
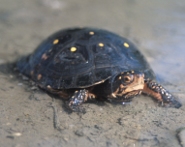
(126, 85)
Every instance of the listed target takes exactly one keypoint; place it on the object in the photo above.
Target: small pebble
(181, 136)
(17, 134)
(79, 133)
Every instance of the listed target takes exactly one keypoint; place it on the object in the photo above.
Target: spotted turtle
(80, 64)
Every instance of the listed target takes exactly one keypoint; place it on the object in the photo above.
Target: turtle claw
(79, 109)
(171, 102)
(168, 99)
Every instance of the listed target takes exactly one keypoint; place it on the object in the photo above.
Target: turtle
(81, 64)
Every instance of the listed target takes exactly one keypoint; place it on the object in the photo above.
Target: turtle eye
(127, 78)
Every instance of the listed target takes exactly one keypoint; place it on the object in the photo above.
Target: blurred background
(156, 27)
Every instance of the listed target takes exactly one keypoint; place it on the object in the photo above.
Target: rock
(181, 136)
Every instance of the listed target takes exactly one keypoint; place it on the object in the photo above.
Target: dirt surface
(30, 117)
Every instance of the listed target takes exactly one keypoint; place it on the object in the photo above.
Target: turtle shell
(82, 57)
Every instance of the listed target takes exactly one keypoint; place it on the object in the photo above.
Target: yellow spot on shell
(73, 49)
(91, 33)
(119, 77)
(101, 45)
(126, 44)
(55, 41)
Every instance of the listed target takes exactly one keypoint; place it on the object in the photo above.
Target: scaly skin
(79, 97)
(159, 93)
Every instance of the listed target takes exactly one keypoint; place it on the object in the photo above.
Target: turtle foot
(159, 93)
(77, 99)
(170, 101)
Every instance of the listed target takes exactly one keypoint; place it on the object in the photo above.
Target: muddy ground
(30, 117)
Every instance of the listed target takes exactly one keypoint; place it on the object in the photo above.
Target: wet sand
(30, 117)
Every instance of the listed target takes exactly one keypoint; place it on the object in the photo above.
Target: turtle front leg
(79, 97)
(159, 93)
